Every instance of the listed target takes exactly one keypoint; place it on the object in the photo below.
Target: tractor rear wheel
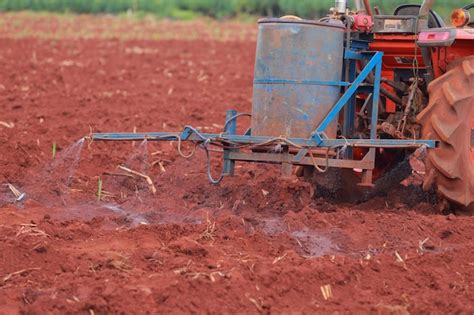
(449, 118)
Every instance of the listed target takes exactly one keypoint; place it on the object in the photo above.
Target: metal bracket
(230, 129)
(374, 62)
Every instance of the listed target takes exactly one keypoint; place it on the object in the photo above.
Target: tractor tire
(449, 118)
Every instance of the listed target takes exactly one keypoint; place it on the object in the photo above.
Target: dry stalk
(157, 153)
(119, 265)
(155, 260)
(17, 273)
(399, 258)
(160, 164)
(147, 178)
(119, 262)
(183, 270)
(73, 299)
(254, 302)
(326, 291)
(107, 195)
(278, 259)
(421, 245)
(75, 190)
(236, 205)
(7, 125)
(18, 194)
(251, 268)
(30, 230)
(299, 243)
(211, 276)
(209, 232)
(117, 174)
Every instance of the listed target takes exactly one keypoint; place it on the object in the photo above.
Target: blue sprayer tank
(296, 61)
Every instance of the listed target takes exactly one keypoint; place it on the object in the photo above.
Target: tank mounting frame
(301, 148)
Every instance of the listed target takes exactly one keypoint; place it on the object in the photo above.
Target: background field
(187, 9)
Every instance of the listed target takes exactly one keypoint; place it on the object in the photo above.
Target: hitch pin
(19, 195)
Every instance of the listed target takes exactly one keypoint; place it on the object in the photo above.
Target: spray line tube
(232, 142)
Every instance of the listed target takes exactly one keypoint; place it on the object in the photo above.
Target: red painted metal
(400, 52)
(363, 23)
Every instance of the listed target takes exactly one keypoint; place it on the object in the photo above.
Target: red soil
(254, 243)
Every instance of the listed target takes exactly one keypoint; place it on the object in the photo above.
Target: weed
(53, 150)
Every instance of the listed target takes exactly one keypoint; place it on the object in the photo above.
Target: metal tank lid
(296, 20)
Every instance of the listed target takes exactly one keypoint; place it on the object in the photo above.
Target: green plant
(186, 9)
(53, 150)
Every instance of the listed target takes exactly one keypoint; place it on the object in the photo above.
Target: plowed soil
(253, 244)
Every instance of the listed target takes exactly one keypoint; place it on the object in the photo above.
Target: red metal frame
(401, 50)
(399, 53)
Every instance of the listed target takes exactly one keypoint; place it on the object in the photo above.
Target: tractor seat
(434, 21)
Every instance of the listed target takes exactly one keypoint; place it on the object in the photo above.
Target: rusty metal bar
(280, 159)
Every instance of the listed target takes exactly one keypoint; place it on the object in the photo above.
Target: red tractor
(427, 88)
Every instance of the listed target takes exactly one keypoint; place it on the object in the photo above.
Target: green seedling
(53, 149)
